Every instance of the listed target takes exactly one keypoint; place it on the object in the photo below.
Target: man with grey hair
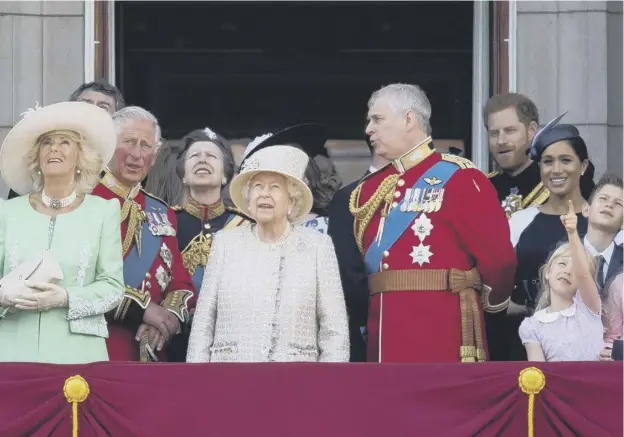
(159, 293)
(433, 234)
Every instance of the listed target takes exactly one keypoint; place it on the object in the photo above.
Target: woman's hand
(44, 296)
(570, 220)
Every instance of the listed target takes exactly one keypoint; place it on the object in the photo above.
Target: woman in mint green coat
(53, 158)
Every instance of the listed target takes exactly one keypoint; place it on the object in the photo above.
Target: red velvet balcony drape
(363, 400)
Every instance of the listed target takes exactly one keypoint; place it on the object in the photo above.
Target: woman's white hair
(89, 163)
(294, 193)
(403, 98)
(136, 113)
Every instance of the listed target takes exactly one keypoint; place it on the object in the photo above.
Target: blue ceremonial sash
(135, 266)
(398, 221)
(198, 277)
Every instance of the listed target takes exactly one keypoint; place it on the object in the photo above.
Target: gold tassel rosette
(76, 390)
(531, 382)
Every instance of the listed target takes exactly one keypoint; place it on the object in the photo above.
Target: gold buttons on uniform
(148, 276)
(395, 204)
(207, 226)
(148, 284)
(384, 266)
(397, 194)
(400, 182)
(386, 254)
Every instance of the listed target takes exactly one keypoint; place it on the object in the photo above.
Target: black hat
(310, 137)
(550, 134)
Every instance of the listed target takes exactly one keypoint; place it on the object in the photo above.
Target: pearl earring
(77, 171)
(39, 172)
(183, 181)
(223, 182)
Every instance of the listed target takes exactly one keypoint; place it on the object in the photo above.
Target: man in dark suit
(604, 212)
(99, 93)
(350, 263)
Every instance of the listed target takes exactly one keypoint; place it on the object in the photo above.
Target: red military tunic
(166, 282)
(468, 230)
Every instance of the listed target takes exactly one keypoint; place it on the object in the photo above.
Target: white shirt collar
(547, 317)
(372, 169)
(606, 254)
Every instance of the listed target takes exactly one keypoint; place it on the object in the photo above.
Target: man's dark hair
(606, 179)
(100, 86)
(525, 108)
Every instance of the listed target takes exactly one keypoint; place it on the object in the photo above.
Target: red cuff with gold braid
(177, 303)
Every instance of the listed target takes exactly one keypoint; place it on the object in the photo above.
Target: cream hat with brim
(287, 161)
(93, 123)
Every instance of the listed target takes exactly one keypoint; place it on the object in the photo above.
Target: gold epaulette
(147, 193)
(537, 196)
(196, 252)
(493, 173)
(460, 161)
(176, 207)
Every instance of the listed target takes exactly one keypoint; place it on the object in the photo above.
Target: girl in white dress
(567, 325)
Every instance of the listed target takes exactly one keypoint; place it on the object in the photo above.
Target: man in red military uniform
(434, 237)
(159, 291)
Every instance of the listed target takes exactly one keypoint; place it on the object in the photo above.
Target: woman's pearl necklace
(58, 203)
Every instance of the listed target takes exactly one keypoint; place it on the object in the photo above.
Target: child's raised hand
(570, 220)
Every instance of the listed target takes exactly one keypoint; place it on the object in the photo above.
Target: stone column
(569, 58)
(41, 57)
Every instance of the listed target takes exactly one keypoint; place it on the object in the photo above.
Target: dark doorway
(246, 68)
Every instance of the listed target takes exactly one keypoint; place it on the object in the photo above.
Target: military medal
(165, 254)
(513, 202)
(167, 227)
(163, 278)
(153, 224)
(420, 254)
(422, 227)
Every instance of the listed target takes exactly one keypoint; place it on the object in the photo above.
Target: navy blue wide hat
(310, 137)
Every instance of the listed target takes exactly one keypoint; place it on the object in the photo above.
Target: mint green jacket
(87, 244)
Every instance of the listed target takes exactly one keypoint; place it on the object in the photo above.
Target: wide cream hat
(287, 161)
(93, 123)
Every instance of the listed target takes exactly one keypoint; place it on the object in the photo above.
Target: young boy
(604, 212)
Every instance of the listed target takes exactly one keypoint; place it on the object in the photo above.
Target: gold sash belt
(464, 283)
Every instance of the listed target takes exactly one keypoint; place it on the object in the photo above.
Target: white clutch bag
(41, 268)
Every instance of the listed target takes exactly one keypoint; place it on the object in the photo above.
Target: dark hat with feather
(309, 137)
(552, 133)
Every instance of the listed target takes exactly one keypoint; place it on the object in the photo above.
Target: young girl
(567, 325)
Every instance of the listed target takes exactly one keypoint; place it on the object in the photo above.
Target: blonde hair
(560, 251)
(294, 193)
(89, 162)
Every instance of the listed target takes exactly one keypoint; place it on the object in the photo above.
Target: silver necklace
(58, 203)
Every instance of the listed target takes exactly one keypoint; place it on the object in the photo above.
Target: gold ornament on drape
(531, 381)
(76, 390)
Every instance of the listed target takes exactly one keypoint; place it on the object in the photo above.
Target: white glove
(44, 296)
(8, 296)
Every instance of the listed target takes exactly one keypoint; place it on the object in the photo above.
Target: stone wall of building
(41, 56)
(569, 58)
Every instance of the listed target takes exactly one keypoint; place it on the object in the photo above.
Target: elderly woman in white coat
(272, 290)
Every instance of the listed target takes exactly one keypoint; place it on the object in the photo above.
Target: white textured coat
(264, 302)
